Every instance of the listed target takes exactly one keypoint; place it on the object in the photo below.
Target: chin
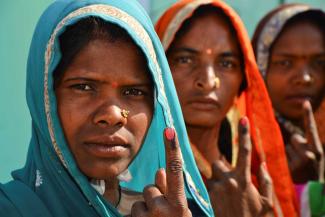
(201, 122)
(293, 115)
(107, 170)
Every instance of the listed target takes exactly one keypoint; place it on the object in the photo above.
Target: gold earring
(125, 113)
(217, 82)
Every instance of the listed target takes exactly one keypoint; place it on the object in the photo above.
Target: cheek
(183, 84)
(138, 125)
(276, 84)
(229, 88)
(72, 118)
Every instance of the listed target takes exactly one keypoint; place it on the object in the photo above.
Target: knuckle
(148, 189)
(175, 165)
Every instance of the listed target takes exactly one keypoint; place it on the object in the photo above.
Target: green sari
(50, 184)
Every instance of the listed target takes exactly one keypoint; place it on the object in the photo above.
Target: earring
(217, 82)
(125, 113)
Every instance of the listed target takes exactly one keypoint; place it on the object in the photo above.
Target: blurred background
(17, 22)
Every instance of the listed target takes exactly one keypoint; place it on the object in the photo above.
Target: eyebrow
(295, 56)
(185, 49)
(194, 51)
(136, 82)
(229, 54)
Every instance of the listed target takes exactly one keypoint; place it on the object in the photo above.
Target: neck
(206, 140)
(112, 192)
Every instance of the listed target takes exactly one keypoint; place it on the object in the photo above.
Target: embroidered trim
(179, 18)
(108, 11)
(271, 31)
(39, 179)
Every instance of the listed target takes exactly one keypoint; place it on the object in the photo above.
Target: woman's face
(297, 69)
(102, 80)
(208, 50)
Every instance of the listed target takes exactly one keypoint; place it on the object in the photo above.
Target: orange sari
(254, 103)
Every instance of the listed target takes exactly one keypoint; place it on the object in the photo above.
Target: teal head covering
(51, 181)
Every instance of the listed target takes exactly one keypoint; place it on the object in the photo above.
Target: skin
(167, 197)
(101, 140)
(296, 75)
(294, 56)
(195, 63)
(90, 97)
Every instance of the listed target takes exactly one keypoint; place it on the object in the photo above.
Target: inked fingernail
(169, 133)
(244, 123)
(170, 136)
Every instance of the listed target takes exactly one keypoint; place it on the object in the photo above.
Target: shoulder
(17, 199)
(7, 207)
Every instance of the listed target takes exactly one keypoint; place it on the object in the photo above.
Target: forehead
(210, 30)
(301, 37)
(118, 60)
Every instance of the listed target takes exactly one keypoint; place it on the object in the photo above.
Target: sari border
(178, 19)
(270, 31)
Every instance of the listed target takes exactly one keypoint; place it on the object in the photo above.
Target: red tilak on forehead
(114, 84)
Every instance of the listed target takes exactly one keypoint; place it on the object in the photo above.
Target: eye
(81, 87)
(133, 92)
(184, 60)
(227, 64)
(283, 63)
(319, 64)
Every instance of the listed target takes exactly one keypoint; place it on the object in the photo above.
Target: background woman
(290, 52)
(213, 65)
(97, 81)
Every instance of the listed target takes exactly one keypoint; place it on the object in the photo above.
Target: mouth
(299, 98)
(107, 147)
(204, 104)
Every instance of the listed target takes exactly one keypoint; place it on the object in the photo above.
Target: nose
(304, 77)
(206, 79)
(109, 116)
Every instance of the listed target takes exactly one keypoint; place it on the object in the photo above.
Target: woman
(213, 66)
(99, 91)
(293, 65)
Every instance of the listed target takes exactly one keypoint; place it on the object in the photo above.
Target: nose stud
(307, 78)
(217, 82)
(125, 113)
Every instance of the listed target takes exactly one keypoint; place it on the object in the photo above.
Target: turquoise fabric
(50, 173)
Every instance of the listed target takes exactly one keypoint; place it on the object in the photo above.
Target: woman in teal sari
(100, 94)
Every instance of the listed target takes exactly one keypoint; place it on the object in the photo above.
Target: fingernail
(170, 134)
(243, 122)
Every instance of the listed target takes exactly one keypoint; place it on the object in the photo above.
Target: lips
(107, 147)
(204, 104)
(299, 98)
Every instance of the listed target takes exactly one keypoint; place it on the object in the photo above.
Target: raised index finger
(311, 129)
(313, 137)
(174, 169)
(245, 148)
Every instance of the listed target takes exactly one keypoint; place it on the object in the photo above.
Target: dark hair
(202, 11)
(78, 35)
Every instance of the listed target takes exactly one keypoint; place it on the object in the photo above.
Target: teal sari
(50, 184)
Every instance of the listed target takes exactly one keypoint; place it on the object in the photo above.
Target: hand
(305, 154)
(232, 192)
(167, 197)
